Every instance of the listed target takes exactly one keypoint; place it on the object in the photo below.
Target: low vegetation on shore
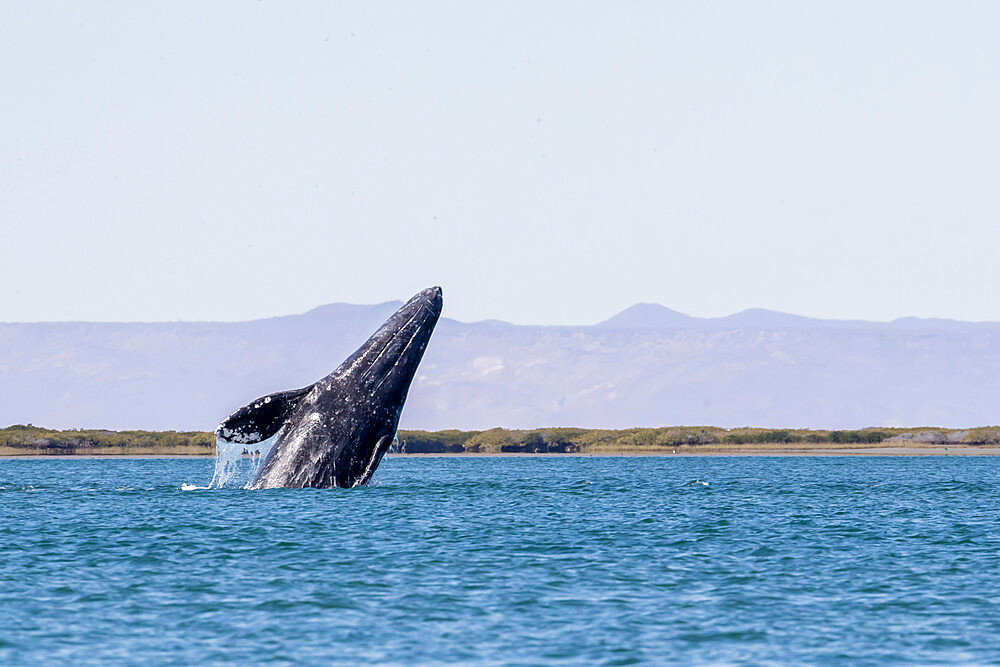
(682, 438)
(28, 440)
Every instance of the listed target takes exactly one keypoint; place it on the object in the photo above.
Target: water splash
(237, 463)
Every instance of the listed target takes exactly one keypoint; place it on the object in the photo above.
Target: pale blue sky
(546, 163)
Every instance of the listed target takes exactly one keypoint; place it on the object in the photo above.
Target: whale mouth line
(402, 355)
(391, 340)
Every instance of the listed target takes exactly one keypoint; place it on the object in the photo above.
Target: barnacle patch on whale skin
(262, 418)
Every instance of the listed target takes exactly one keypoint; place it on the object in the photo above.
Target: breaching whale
(334, 432)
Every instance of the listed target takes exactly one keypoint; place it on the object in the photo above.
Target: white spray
(236, 463)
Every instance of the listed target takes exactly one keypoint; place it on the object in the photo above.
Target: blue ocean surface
(604, 560)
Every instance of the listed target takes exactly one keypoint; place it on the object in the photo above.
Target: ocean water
(603, 560)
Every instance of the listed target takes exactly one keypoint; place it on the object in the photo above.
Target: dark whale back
(335, 431)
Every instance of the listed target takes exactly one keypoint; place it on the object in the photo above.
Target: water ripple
(506, 561)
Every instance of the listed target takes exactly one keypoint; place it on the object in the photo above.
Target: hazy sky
(544, 162)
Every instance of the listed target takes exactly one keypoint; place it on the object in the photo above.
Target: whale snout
(389, 359)
(432, 297)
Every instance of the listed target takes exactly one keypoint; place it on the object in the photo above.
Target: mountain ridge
(641, 315)
(654, 315)
(755, 368)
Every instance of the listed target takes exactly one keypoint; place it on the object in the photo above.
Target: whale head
(335, 431)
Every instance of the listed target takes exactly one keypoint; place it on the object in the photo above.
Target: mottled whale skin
(334, 433)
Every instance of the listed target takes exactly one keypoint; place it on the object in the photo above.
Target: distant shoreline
(929, 450)
(27, 441)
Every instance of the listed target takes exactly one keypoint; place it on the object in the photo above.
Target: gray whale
(334, 432)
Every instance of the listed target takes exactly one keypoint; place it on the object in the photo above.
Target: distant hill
(649, 316)
(655, 316)
(646, 366)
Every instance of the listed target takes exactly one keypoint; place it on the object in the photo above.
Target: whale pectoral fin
(262, 418)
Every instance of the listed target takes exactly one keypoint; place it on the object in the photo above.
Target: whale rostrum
(334, 432)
